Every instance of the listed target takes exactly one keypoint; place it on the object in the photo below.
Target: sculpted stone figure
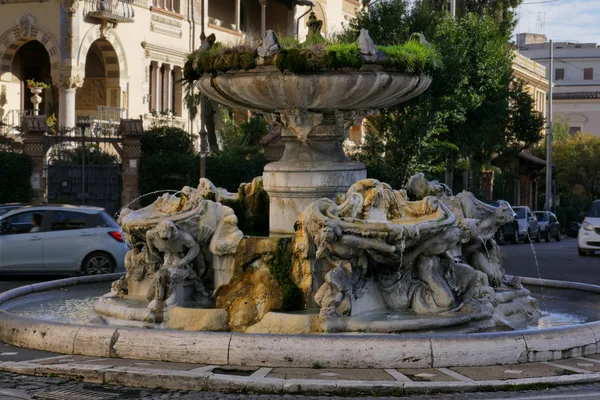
(178, 250)
(426, 249)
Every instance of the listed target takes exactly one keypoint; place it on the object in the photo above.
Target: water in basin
(73, 305)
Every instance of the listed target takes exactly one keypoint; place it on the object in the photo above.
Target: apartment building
(576, 76)
(110, 59)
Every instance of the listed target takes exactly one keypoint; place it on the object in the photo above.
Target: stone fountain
(345, 253)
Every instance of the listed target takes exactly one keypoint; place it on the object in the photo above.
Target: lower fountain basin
(50, 316)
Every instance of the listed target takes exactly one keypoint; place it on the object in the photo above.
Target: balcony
(115, 11)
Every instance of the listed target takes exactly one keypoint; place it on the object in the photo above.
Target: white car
(60, 240)
(588, 239)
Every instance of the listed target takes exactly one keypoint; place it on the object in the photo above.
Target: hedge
(15, 185)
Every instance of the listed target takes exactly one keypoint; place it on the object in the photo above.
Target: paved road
(22, 387)
(556, 260)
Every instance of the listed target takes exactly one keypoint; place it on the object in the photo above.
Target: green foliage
(386, 21)
(577, 163)
(281, 270)
(229, 168)
(472, 108)
(15, 184)
(241, 159)
(168, 161)
(93, 155)
(500, 10)
(412, 57)
(219, 59)
(316, 54)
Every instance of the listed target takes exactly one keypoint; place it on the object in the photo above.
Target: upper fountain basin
(267, 89)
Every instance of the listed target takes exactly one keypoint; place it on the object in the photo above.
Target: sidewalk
(314, 381)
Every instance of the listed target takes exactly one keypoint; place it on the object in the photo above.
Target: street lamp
(83, 122)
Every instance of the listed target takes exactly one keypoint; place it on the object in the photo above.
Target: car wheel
(547, 237)
(558, 237)
(538, 238)
(582, 253)
(98, 263)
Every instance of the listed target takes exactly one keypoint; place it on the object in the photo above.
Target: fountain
(345, 253)
(346, 257)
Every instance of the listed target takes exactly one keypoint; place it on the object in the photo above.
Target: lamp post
(548, 205)
(83, 122)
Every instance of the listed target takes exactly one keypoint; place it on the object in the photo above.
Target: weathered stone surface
(285, 323)
(94, 341)
(253, 291)
(482, 349)
(554, 344)
(197, 319)
(329, 351)
(175, 346)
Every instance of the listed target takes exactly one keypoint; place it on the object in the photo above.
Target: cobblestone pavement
(46, 388)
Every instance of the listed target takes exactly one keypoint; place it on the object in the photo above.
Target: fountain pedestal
(313, 166)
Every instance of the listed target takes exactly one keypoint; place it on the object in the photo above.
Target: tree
(500, 10)
(473, 109)
(577, 164)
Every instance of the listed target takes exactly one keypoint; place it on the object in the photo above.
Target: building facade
(576, 75)
(112, 59)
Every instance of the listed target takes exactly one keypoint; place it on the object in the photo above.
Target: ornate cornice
(164, 54)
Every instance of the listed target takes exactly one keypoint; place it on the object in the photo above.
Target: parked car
(549, 225)
(573, 229)
(4, 208)
(508, 231)
(528, 224)
(588, 239)
(60, 239)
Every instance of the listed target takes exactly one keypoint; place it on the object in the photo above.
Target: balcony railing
(117, 11)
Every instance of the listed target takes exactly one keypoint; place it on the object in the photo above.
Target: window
(169, 5)
(553, 218)
(26, 222)
(166, 91)
(521, 213)
(67, 220)
(588, 74)
(559, 74)
(541, 216)
(574, 130)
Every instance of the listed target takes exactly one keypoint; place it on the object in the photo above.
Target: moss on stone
(312, 56)
(281, 270)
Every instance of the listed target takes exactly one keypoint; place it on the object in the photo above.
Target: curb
(208, 381)
(331, 351)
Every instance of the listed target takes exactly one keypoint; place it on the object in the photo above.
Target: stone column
(131, 131)
(238, 26)
(34, 145)
(313, 166)
(66, 106)
(67, 89)
(263, 18)
(158, 86)
(170, 88)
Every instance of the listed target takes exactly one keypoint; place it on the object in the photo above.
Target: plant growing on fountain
(355, 253)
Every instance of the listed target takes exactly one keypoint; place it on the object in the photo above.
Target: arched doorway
(101, 86)
(32, 61)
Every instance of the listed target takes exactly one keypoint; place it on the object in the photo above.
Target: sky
(565, 20)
